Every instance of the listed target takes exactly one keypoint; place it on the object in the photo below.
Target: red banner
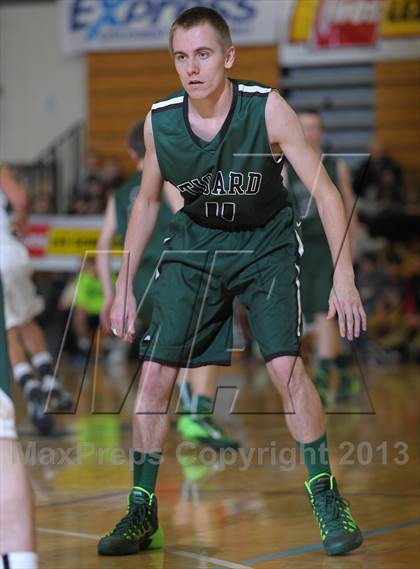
(345, 23)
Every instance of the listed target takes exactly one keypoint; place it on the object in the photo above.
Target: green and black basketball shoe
(202, 429)
(138, 530)
(347, 387)
(196, 424)
(339, 531)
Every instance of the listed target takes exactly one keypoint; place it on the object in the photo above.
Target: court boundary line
(221, 563)
(246, 564)
(305, 548)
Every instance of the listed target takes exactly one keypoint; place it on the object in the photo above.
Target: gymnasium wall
(121, 86)
(42, 91)
(397, 110)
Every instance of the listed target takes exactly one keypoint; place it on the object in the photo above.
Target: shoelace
(332, 509)
(136, 516)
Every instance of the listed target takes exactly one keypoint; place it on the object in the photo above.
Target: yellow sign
(401, 18)
(303, 20)
(73, 241)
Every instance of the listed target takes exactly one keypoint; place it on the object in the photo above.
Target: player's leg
(139, 529)
(327, 347)
(17, 541)
(275, 319)
(33, 338)
(21, 304)
(29, 383)
(305, 420)
(196, 423)
(331, 354)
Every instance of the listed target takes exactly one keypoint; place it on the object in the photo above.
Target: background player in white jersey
(31, 362)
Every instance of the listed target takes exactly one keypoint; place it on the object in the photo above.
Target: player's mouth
(195, 82)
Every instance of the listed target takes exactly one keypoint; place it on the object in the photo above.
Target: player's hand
(105, 316)
(123, 316)
(19, 226)
(346, 303)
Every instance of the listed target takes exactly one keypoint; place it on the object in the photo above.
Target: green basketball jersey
(124, 199)
(233, 181)
(305, 204)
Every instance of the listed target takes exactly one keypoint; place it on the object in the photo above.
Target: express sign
(103, 25)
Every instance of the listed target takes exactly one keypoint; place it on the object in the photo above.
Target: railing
(57, 171)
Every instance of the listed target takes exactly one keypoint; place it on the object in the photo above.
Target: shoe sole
(154, 542)
(349, 548)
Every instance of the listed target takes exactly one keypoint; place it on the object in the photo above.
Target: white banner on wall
(107, 25)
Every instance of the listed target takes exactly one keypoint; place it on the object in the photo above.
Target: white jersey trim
(168, 103)
(253, 88)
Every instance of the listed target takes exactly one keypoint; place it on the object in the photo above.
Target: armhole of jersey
(156, 149)
(280, 159)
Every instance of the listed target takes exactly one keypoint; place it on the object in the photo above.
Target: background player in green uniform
(195, 424)
(234, 237)
(316, 264)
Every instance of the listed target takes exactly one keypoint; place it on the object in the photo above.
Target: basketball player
(234, 237)
(17, 539)
(22, 305)
(316, 264)
(195, 423)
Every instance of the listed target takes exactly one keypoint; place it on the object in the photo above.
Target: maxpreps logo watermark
(109, 18)
(104, 24)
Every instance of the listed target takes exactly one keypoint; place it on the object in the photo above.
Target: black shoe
(137, 530)
(339, 532)
(35, 404)
(57, 397)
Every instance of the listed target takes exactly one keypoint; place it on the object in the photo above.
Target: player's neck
(215, 105)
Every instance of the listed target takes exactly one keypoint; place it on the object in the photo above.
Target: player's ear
(229, 57)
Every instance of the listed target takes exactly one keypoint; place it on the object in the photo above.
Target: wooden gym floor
(228, 511)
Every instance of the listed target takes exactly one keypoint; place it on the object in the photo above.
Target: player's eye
(180, 57)
(203, 54)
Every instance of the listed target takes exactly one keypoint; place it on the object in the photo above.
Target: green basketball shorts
(316, 276)
(203, 270)
(7, 415)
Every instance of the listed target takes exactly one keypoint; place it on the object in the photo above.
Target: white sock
(22, 369)
(16, 560)
(41, 358)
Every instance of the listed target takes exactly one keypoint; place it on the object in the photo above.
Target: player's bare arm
(286, 136)
(103, 260)
(140, 227)
(346, 190)
(17, 198)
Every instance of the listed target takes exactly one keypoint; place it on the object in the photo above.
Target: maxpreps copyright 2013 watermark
(362, 453)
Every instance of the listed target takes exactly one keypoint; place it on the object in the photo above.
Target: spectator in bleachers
(368, 178)
(111, 175)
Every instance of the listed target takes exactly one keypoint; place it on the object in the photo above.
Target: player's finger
(357, 321)
(341, 318)
(331, 309)
(363, 317)
(349, 322)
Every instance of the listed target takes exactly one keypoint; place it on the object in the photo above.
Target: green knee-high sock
(322, 373)
(315, 455)
(342, 362)
(145, 469)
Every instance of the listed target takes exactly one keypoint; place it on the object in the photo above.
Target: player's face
(200, 60)
(312, 127)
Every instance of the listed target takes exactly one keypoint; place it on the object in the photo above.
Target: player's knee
(287, 371)
(157, 383)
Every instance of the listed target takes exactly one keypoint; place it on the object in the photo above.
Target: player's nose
(192, 67)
